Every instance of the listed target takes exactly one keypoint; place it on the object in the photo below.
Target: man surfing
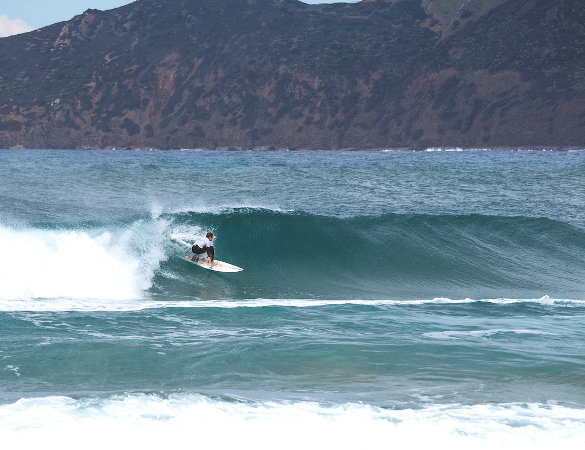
(204, 245)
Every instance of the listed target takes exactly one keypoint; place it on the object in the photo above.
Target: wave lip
(149, 421)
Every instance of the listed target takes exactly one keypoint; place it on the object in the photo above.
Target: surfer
(204, 245)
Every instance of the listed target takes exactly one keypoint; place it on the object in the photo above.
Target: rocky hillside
(284, 74)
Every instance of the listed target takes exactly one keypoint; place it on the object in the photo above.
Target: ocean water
(432, 298)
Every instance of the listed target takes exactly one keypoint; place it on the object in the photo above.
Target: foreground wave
(299, 255)
(150, 421)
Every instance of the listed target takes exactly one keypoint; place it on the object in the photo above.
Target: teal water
(449, 283)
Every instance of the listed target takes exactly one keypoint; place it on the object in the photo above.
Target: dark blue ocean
(388, 299)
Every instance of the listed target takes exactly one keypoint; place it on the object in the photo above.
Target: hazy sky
(18, 16)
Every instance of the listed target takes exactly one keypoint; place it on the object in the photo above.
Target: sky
(20, 16)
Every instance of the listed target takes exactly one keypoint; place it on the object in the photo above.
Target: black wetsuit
(207, 249)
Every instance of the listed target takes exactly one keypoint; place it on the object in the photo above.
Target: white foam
(312, 303)
(137, 304)
(194, 421)
(77, 264)
(448, 149)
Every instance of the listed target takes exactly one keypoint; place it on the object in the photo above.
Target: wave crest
(299, 255)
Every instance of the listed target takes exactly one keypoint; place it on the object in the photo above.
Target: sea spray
(107, 264)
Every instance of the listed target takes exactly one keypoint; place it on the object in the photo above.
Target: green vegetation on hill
(451, 13)
(542, 40)
(281, 73)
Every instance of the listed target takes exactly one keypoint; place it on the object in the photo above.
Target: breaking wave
(296, 255)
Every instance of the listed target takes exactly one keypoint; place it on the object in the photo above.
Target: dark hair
(208, 235)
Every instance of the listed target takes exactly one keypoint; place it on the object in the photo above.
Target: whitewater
(429, 298)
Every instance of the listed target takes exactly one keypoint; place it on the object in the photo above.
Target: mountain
(284, 74)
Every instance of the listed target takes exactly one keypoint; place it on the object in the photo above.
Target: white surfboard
(200, 261)
(219, 267)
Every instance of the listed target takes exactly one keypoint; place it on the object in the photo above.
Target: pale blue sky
(39, 13)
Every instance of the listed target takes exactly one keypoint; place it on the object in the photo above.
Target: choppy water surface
(386, 295)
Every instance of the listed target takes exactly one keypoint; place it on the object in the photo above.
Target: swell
(301, 255)
(296, 255)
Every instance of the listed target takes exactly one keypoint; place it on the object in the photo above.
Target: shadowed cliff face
(283, 74)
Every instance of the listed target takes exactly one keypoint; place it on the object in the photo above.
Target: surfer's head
(209, 236)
